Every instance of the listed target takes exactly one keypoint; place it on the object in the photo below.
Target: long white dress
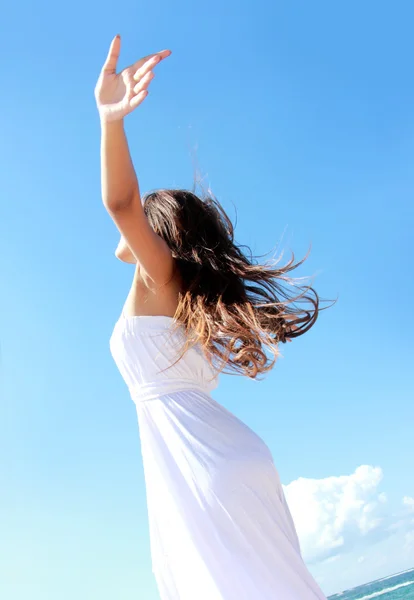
(220, 528)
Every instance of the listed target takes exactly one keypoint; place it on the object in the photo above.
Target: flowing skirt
(220, 528)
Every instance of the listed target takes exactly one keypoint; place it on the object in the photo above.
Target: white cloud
(404, 520)
(408, 501)
(333, 514)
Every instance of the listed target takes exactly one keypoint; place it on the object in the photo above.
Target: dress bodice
(147, 351)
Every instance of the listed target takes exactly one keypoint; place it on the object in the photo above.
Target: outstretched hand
(118, 94)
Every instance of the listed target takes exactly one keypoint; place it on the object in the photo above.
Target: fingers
(146, 64)
(143, 76)
(139, 92)
(145, 68)
(136, 100)
(113, 55)
(161, 55)
(144, 83)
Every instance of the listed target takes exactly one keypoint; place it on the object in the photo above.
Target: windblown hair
(236, 308)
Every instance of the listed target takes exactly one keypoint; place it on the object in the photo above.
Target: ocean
(393, 587)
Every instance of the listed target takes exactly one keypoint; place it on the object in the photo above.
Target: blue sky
(301, 115)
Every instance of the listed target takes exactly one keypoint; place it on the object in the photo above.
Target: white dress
(220, 527)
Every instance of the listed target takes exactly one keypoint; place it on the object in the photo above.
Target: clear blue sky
(302, 114)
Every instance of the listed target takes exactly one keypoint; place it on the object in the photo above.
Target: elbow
(117, 203)
(115, 206)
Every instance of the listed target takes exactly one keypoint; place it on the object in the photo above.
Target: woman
(219, 523)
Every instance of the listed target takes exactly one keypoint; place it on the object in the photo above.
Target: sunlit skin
(155, 286)
(123, 253)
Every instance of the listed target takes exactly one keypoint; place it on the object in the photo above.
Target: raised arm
(117, 95)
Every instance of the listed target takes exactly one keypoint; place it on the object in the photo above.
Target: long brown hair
(237, 309)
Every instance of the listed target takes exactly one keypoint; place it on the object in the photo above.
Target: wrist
(111, 124)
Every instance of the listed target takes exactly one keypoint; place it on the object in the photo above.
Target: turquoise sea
(393, 587)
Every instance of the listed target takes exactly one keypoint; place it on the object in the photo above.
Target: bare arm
(121, 198)
(118, 178)
(117, 95)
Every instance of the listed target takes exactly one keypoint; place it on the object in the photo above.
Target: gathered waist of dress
(157, 389)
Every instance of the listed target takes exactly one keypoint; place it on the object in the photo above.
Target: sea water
(393, 587)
